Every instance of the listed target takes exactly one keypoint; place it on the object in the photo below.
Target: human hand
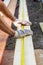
(19, 23)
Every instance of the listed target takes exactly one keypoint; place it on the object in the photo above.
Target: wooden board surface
(24, 51)
(39, 56)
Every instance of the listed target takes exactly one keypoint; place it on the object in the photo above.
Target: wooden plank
(3, 35)
(8, 57)
(41, 25)
(28, 53)
(39, 56)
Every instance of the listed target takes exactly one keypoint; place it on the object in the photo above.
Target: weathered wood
(28, 57)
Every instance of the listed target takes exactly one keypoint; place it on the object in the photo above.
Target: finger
(28, 22)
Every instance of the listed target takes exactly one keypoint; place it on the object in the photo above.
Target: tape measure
(22, 49)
